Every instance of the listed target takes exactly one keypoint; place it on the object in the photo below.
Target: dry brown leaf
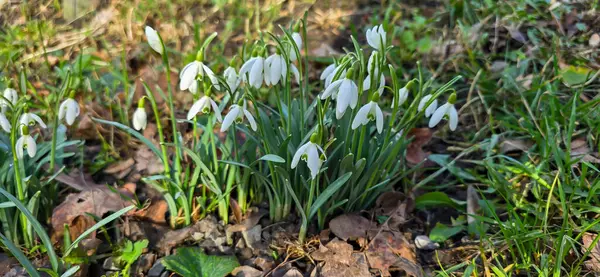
(511, 145)
(414, 151)
(350, 226)
(340, 261)
(594, 262)
(246, 271)
(121, 168)
(246, 224)
(580, 150)
(97, 201)
(390, 250)
(156, 212)
(395, 205)
(472, 204)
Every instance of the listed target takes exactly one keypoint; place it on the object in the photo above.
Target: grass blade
(16, 252)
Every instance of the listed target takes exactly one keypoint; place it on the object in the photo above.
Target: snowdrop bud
(314, 138)
(375, 97)
(10, 95)
(452, 98)
(140, 117)
(349, 73)
(4, 123)
(154, 40)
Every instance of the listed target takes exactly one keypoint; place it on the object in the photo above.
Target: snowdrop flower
(194, 69)
(255, 67)
(402, 94)
(10, 95)
(140, 118)
(154, 40)
(369, 112)
(29, 119)
(4, 123)
(431, 108)
(446, 109)
(298, 41)
(26, 142)
(204, 105)
(345, 92)
(367, 84)
(309, 152)
(276, 70)
(330, 72)
(237, 114)
(232, 79)
(376, 37)
(69, 110)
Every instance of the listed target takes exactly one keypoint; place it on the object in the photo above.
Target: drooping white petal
(367, 83)
(275, 72)
(297, 39)
(72, 110)
(452, 118)
(378, 118)
(153, 40)
(10, 95)
(381, 85)
(251, 120)
(299, 154)
(361, 116)
(37, 119)
(313, 160)
(423, 101)
(62, 110)
(188, 75)
(402, 95)
(31, 146)
(140, 119)
(295, 72)
(429, 111)
(216, 110)
(4, 123)
(211, 76)
(231, 78)
(256, 73)
(327, 71)
(230, 117)
(353, 95)
(438, 115)
(19, 147)
(197, 107)
(344, 98)
(267, 69)
(331, 88)
(246, 67)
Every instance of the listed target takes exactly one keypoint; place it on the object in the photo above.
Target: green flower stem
(159, 127)
(304, 226)
(177, 162)
(363, 130)
(20, 188)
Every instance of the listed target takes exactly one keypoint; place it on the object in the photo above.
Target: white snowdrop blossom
(26, 142)
(447, 109)
(232, 79)
(369, 112)
(10, 95)
(372, 64)
(376, 37)
(154, 40)
(237, 113)
(429, 109)
(140, 118)
(4, 123)
(402, 96)
(192, 70)
(29, 119)
(298, 41)
(276, 70)
(345, 92)
(367, 84)
(204, 105)
(309, 152)
(255, 68)
(330, 72)
(68, 110)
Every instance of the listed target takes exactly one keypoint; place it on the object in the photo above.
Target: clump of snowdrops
(320, 149)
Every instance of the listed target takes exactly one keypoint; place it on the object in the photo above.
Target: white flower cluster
(68, 111)
(339, 86)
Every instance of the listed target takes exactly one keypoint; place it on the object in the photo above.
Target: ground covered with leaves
(510, 192)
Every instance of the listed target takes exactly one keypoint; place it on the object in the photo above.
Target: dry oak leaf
(414, 151)
(340, 261)
(593, 263)
(350, 226)
(97, 201)
(390, 250)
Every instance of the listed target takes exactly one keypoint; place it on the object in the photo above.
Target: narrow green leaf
(38, 229)
(272, 158)
(16, 252)
(433, 199)
(327, 193)
(134, 133)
